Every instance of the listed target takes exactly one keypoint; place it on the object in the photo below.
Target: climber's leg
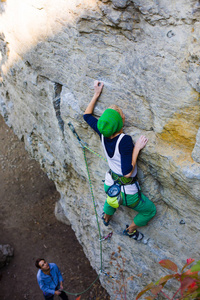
(108, 211)
(146, 211)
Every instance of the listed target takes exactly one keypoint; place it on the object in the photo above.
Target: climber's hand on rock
(141, 142)
(98, 86)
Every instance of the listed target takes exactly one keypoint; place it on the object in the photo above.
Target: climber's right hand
(98, 86)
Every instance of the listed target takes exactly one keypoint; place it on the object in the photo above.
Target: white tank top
(115, 165)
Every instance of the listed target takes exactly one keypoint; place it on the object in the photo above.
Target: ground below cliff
(28, 224)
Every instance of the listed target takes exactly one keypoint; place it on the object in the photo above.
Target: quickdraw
(83, 144)
(110, 276)
(107, 237)
(76, 135)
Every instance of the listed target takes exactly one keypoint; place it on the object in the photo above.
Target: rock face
(6, 252)
(148, 54)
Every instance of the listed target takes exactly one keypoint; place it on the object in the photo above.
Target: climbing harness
(115, 189)
(121, 179)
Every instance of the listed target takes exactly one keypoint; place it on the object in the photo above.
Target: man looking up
(50, 279)
(121, 155)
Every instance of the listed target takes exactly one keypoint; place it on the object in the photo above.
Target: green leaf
(168, 264)
(147, 288)
(196, 267)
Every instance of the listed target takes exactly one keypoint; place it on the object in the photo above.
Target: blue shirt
(125, 146)
(48, 283)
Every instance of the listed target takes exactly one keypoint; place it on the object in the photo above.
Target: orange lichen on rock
(182, 129)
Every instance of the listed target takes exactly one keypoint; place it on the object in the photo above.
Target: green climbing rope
(95, 152)
(91, 190)
(77, 294)
(84, 146)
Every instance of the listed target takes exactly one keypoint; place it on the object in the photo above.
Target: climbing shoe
(136, 235)
(103, 218)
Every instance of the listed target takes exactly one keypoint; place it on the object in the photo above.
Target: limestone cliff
(147, 53)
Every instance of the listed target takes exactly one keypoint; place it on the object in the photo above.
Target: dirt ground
(28, 224)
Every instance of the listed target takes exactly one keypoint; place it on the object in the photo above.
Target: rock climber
(50, 279)
(121, 155)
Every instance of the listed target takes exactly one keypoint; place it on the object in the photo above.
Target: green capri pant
(146, 209)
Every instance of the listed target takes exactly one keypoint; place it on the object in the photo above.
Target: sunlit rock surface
(148, 54)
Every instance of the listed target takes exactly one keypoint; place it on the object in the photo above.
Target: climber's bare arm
(98, 86)
(139, 145)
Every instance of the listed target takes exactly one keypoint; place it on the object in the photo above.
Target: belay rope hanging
(84, 146)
